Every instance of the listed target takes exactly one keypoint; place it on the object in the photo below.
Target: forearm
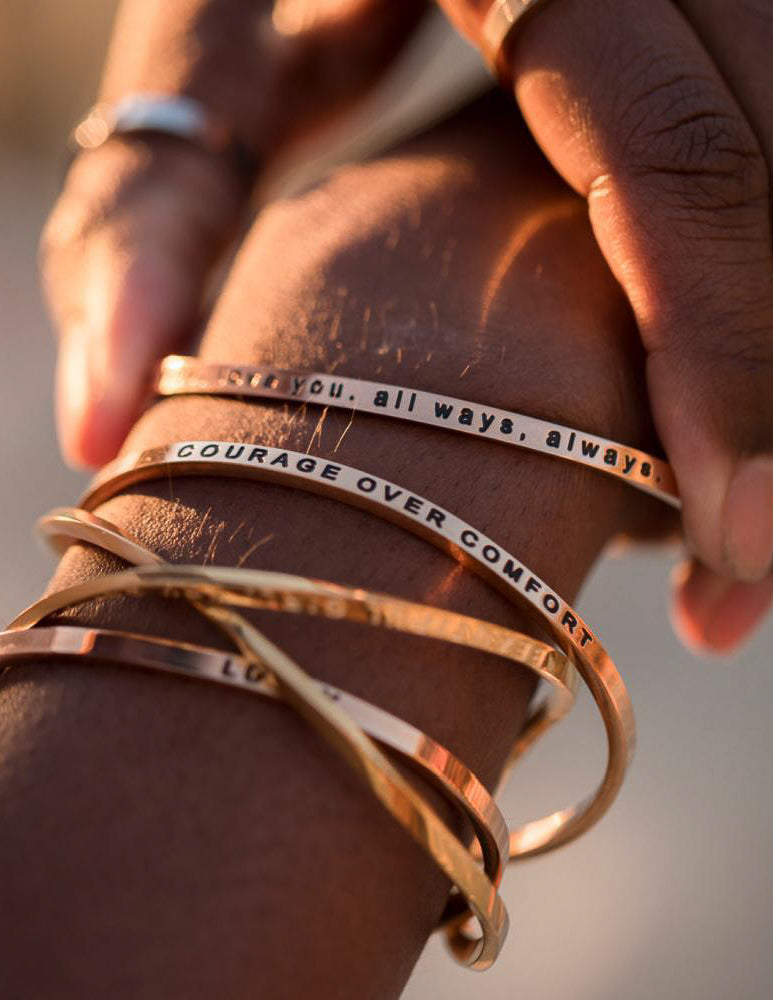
(220, 849)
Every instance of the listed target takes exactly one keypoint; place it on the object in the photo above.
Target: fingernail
(737, 614)
(748, 519)
(712, 614)
(696, 591)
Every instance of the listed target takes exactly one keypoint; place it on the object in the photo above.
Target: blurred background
(672, 895)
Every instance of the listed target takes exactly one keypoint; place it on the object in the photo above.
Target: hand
(130, 244)
(660, 114)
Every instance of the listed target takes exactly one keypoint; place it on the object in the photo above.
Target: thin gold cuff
(449, 533)
(333, 724)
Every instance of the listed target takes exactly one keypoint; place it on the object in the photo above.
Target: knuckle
(749, 348)
(732, 372)
(74, 211)
(681, 133)
(64, 233)
(97, 191)
(47, 243)
(54, 239)
(736, 345)
(754, 15)
(720, 317)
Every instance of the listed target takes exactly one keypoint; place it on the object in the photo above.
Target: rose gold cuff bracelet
(452, 535)
(329, 719)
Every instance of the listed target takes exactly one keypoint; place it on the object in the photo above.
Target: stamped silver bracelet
(179, 375)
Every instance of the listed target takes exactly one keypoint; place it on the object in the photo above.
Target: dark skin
(659, 113)
(656, 112)
(198, 843)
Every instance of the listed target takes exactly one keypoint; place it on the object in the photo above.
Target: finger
(125, 256)
(739, 37)
(712, 614)
(630, 108)
(133, 238)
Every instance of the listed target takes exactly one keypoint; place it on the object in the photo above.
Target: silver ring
(166, 114)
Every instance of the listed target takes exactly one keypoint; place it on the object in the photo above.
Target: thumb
(125, 256)
(714, 410)
(713, 405)
(712, 614)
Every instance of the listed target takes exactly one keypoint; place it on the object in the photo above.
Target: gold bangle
(272, 591)
(452, 535)
(65, 525)
(433, 761)
(282, 592)
(266, 591)
(178, 375)
(334, 725)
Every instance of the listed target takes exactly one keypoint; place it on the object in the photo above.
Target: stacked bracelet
(333, 723)
(282, 592)
(449, 533)
(180, 376)
(444, 770)
(270, 591)
(266, 591)
(347, 722)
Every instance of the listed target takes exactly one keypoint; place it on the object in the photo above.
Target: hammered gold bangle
(324, 715)
(449, 533)
(179, 375)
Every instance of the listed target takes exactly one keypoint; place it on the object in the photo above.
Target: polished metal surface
(63, 526)
(449, 533)
(299, 595)
(179, 375)
(166, 114)
(325, 715)
(432, 760)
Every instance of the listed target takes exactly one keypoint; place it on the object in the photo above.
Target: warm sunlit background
(672, 895)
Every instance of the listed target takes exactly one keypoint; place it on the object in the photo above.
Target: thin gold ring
(502, 19)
